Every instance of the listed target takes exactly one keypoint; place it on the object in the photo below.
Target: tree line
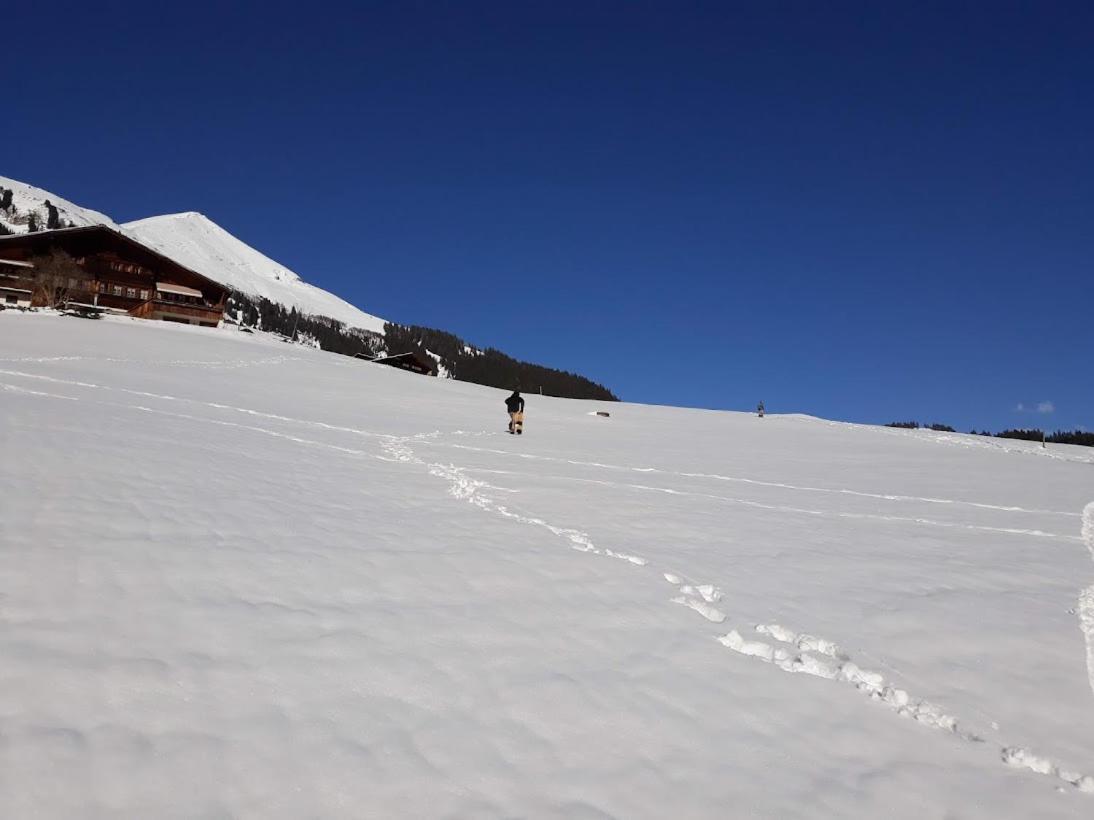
(1080, 437)
(915, 425)
(491, 367)
(328, 334)
(487, 367)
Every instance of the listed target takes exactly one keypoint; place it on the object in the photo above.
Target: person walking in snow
(515, 405)
(760, 409)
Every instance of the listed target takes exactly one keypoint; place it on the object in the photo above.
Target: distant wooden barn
(113, 272)
(413, 361)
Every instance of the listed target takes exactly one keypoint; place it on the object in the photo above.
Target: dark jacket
(515, 404)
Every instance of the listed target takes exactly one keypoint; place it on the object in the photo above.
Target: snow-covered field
(243, 579)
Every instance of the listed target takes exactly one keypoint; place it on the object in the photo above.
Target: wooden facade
(119, 273)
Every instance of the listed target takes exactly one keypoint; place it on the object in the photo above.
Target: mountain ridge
(199, 243)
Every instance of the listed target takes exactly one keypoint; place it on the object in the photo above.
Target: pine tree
(53, 219)
(5, 199)
(32, 222)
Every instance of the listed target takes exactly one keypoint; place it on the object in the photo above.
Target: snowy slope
(200, 244)
(243, 579)
(27, 199)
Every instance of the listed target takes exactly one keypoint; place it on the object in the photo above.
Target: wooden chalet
(413, 361)
(14, 291)
(117, 274)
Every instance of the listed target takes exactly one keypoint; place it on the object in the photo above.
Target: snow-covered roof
(16, 262)
(14, 290)
(181, 290)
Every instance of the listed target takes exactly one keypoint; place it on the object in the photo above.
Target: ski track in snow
(792, 652)
(653, 470)
(14, 388)
(208, 364)
(929, 522)
(759, 483)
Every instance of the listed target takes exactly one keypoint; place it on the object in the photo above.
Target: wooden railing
(147, 310)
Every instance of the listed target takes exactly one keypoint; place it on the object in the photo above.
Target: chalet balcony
(171, 311)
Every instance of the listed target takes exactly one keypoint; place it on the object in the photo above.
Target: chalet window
(131, 293)
(10, 298)
(117, 290)
(144, 295)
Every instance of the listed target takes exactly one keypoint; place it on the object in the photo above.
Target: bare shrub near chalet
(54, 273)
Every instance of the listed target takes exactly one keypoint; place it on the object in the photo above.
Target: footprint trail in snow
(790, 651)
(465, 488)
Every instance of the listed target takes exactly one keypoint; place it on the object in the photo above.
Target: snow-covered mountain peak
(196, 215)
(194, 240)
(28, 204)
(197, 233)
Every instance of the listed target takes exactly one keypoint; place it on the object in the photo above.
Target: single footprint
(699, 597)
(803, 641)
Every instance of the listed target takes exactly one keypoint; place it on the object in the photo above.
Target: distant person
(760, 409)
(515, 405)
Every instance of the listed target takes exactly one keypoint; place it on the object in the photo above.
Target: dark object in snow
(603, 413)
(82, 311)
(760, 409)
(413, 361)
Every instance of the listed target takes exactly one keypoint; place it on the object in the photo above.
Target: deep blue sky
(866, 212)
